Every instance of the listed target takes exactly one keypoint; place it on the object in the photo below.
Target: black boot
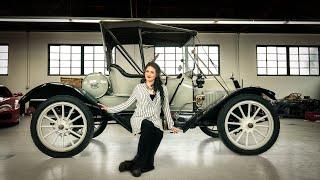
(136, 172)
(146, 169)
(125, 166)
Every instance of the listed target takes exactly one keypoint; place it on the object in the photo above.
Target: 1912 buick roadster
(68, 117)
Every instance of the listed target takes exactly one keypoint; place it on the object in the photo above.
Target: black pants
(149, 142)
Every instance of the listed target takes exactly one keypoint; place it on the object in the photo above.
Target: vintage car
(63, 125)
(9, 106)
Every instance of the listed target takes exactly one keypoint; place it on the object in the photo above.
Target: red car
(9, 106)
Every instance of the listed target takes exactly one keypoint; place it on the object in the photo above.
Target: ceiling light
(249, 22)
(303, 22)
(33, 20)
(181, 22)
(190, 21)
(94, 20)
(85, 20)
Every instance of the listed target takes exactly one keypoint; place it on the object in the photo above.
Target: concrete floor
(193, 155)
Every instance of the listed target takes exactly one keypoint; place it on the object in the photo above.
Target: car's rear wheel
(248, 124)
(99, 127)
(211, 131)
(62, 126)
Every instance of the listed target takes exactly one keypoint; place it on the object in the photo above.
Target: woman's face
(150, 74)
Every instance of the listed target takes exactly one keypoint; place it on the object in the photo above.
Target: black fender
(48, 90)
(212, 112)
(254, 90)
(209, 115)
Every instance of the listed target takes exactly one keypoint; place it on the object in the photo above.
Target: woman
(150, 95)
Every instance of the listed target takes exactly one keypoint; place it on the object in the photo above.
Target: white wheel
(254, 127)
(59, 132)
(62, 126)
(248, 124)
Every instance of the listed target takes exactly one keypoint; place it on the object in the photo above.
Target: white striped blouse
(146, 108)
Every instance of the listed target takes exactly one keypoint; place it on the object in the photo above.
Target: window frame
(214, 45)
(306, 46)
(288, 59)
(105, 61)
(81, 58)
(6, 44)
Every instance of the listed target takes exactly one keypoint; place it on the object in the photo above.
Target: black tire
(210, 132)
(98, 129)
(223, 115)
(89, 126)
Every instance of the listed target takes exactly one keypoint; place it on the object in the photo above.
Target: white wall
(17, 71)
(282, 85)
(28, 58)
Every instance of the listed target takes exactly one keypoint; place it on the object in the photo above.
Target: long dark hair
(157, 81)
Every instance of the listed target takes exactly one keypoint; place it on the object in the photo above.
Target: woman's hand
(102, 106)
(175, 130)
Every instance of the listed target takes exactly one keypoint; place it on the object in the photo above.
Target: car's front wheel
(248, 124)
(62, 126)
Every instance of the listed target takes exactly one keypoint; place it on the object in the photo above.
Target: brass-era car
(68, 118)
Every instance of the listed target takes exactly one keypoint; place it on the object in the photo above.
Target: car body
(72, 113)
(9, 106)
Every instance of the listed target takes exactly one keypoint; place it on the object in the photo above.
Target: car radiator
(211, 97)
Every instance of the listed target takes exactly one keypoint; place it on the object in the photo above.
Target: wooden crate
(75, 82)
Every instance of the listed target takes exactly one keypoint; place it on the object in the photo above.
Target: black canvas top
(127, 32)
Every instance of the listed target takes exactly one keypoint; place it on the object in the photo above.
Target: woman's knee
(146, 124)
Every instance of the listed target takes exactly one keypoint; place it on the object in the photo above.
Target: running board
(190, 123)
(124, 122)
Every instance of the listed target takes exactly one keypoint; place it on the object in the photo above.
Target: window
(304, 60)
(4, 54)
(169, 58)
(271, 60)
(77, 59)
(288, 60)
(65, 60)
(206, 53)
(94, 60)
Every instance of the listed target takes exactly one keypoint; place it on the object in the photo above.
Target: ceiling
(224, 9)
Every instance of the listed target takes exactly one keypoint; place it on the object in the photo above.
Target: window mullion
(277, 60)
(70, 61)
(59, 59)
(175, 60)
(288, 60)
(309, 54)
(82, 60)
(318, 61)
(93, 58)
(299, 60)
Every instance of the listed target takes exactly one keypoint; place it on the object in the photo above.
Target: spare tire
(95, 84)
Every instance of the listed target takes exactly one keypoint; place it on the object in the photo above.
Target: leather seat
(122, 82)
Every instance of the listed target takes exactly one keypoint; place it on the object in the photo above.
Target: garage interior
(240, 31)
